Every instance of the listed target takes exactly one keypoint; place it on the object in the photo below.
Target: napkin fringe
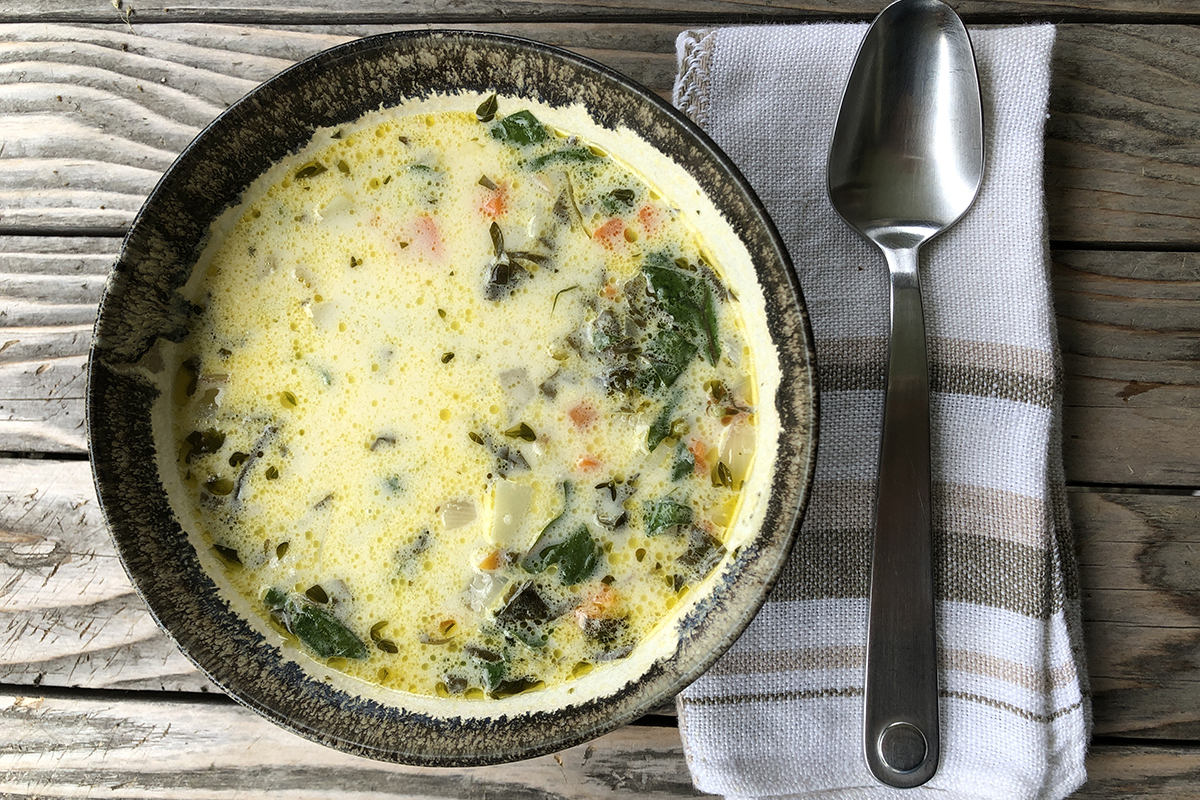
(693, 49)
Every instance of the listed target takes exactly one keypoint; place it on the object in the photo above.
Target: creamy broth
(467, 407)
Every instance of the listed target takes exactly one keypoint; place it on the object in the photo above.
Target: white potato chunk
(510, 508)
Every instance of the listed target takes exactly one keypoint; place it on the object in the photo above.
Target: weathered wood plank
(71, 619)
(58, 745)
(53, 746)
(1129, 327)
(382, 11)
(1141, 608)
(1128, 323)
(90, 115)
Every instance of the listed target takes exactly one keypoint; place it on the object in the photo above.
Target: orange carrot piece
(650, 217)
(588, 463)
(611, 233)
(495, 204)
(583, 414)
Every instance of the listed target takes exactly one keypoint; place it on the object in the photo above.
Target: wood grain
(1138, 569)
(70, 618)
(327, 12)
(1129, 328)
(62, 746)
(53, 746)
(90, 115)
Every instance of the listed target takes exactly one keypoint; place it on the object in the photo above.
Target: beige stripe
(958, 510)
(962, 510)
(979, 369)
(1011, 672)
(849, 657)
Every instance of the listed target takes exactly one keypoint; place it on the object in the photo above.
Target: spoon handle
(902, 739)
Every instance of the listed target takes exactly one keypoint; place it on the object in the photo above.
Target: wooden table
(97, 98)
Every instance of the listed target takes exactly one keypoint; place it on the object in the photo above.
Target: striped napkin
(781, 714)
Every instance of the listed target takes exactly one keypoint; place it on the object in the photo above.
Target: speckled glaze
(141, 305)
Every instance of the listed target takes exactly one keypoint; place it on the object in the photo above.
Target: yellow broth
(467, 407)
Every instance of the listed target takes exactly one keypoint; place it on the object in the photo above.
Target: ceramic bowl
(142, 307)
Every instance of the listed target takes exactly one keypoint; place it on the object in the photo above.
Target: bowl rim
(652, 688)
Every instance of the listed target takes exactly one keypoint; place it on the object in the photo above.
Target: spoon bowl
(905, 164)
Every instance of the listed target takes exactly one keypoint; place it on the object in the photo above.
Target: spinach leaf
(668, 355)
(703, 553)
(202, 443)
(661, 427)
(503, 278)
(316, 627)
(665, 514)
(684, 463)
(525, 614)
(492, 665)
(576, 557)
(688, 299)
(521, 128)
(571, 548)
(569, 155)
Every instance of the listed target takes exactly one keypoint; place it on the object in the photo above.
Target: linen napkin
(780, 715)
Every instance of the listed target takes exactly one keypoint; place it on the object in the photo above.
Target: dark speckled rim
(141, 304)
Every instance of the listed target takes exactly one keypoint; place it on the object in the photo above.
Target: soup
(467, 407)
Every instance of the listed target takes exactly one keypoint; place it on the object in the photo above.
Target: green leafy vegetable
(525, 614)
(684, 463)
(617, 202)
(576, 557)
(688, 299)
(703, 554)
(497, 239)
(722, 476)
(521, 128)
(316, 627)
(665, 514)
(202, 443)
(522, 431)
(310, 170)
(668, 355)
(570, 155)
(559, 293)
(487, 109)
(661, 427)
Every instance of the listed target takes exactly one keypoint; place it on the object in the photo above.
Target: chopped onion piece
(516, 384)
(458, 513)
(483, 590)
(736, 449)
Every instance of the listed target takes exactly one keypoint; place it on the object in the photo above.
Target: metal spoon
(905, 164)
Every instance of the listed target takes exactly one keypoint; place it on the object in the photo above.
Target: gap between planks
(91, 114)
